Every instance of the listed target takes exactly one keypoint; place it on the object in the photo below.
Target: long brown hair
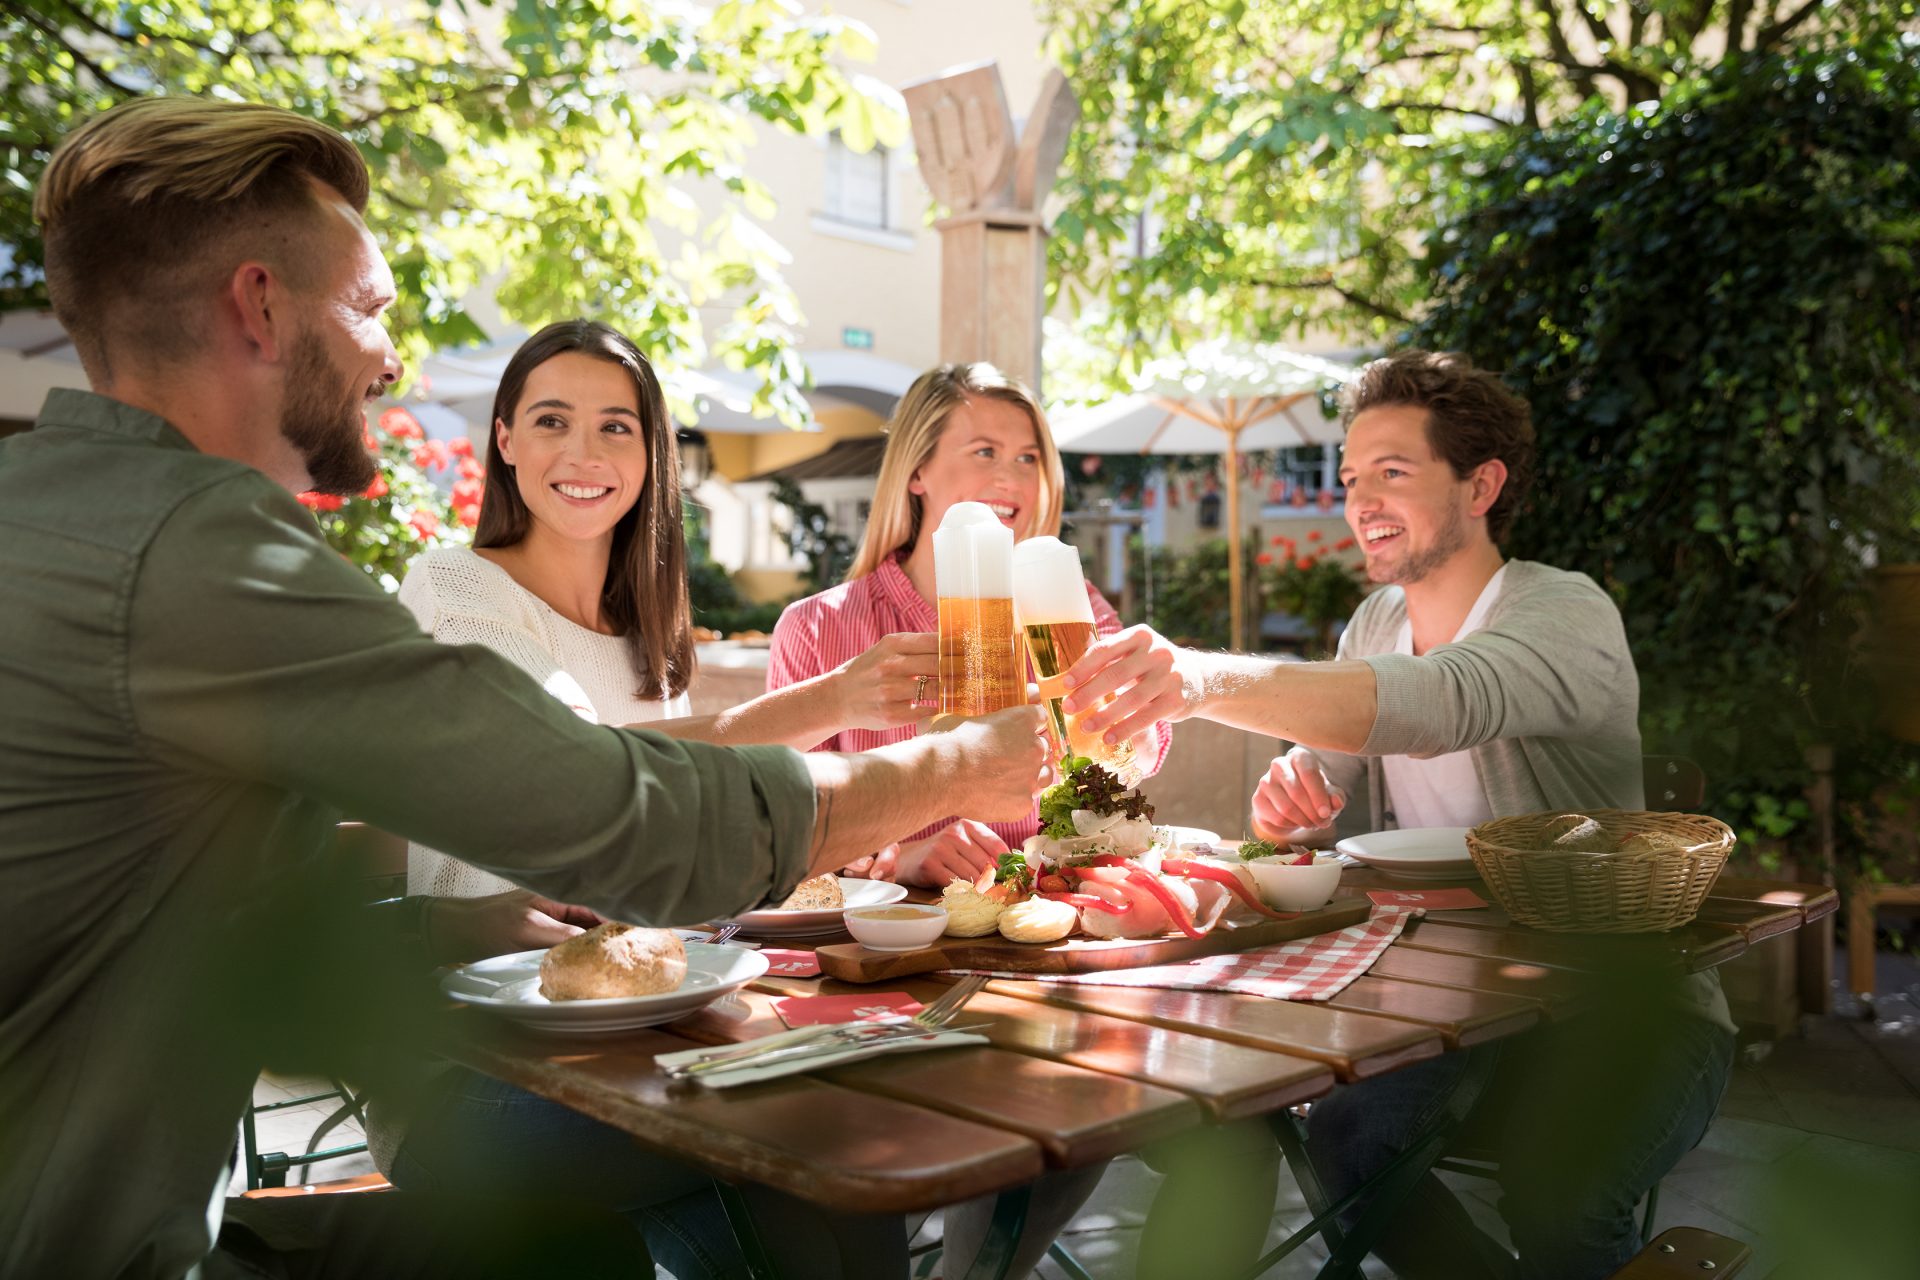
(893, 522)
(645, 594)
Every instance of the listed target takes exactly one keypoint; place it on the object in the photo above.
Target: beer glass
(1057, 619)
(980, 670)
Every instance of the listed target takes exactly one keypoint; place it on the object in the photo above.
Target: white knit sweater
(463, 598)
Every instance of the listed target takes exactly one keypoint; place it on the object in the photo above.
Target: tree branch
(52, 32)
(1443, 107)
(1328, 283)
(1529, 92)
(1737, 16)
(1771, 35)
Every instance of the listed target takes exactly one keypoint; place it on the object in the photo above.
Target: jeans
(1584, 1118)
(479, 1136)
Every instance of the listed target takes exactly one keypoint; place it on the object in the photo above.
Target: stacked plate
(1416, 853)
(510, 987)
(773, 922)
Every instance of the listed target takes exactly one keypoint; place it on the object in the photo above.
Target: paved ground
(1814, 1159)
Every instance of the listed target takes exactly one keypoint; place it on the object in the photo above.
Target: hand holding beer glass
(1057, 619)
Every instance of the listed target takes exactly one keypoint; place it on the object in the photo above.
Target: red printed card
(1431, 899)
(784, 963)
(865, 1006)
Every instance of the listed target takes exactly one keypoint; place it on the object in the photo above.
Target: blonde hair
(147, 207)
(893, 524)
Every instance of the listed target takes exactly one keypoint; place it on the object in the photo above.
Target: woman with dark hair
(578, 575)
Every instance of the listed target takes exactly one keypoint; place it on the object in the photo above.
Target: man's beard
(1449, 540)
(326, 428)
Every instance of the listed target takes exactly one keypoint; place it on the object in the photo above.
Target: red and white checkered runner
(1316, 968)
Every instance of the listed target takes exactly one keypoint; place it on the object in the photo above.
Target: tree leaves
(1266, 167)
(539, 144)
(1725, 376)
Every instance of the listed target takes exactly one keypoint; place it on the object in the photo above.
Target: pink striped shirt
(817, 634)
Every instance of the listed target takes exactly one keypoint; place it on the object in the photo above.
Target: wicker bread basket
(1569, 892)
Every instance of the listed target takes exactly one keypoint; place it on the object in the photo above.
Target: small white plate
(510, 986)
(1189, 835)
(775, 923)
(1414, 853)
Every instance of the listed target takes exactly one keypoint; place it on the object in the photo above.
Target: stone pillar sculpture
(994, 184)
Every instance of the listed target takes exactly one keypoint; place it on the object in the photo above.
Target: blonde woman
(962, 433)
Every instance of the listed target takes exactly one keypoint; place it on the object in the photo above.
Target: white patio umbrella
(1217, 397)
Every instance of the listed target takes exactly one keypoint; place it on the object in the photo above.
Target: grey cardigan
(1544, 697)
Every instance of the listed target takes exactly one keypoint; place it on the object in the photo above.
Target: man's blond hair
(147, 209)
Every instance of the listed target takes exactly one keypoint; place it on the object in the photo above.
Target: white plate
(775, 923)
(1415, 853)
(1190, 835)
(510, 986)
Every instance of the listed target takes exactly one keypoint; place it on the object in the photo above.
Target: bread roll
(1577, 833)
(613, 960)
(822, 893)
(1654, 842)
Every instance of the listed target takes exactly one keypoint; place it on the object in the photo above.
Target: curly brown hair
(1472, 418)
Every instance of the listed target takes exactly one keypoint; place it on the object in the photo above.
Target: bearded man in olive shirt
(197, 687)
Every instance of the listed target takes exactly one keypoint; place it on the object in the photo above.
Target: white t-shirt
(1442, 791)
(463, 598)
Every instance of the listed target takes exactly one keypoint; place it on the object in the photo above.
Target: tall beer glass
(980, 670)
(1057, 619)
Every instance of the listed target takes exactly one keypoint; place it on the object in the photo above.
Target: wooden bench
(339, 1186)
(1689, 1252)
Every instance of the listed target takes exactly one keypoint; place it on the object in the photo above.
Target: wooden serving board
(851, 962)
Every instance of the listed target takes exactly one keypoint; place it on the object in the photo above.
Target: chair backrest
(1674, 784)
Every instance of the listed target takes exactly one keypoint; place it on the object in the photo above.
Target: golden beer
(1056, 617)
(980, 669)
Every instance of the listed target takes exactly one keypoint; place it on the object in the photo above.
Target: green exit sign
(858, 339)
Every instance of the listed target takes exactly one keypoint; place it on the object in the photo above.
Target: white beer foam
(1048, 586)
(972, 554)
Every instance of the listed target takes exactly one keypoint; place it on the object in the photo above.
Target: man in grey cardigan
(1469, 687)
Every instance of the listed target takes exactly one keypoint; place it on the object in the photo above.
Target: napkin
(871, 1044)
(1315, 968)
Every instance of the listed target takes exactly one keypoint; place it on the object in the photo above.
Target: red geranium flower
(378, 489)
(322, 501)
(401, 425)
(431, 453)
(460, 447)
(470, 468)
(425, 524)
(1304, 562)
(1345, 544)
(467, 513)
(1313, 535)
(1277, 539)
(366, 437)
(1263, 559)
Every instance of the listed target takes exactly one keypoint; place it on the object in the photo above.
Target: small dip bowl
(1285, 887)
(897, 926)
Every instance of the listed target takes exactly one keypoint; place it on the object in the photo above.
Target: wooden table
(1078, 1074)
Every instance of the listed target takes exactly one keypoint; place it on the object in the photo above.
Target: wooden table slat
(1076, 1115)
(1813, 900)
(1231, 1081)
(1555, 989)
(822, 1142)
(1354, 1045)
(1694, 947)
(1463, 1018)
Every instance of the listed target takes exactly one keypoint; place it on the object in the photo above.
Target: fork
(825, 1037)
(723, 934)
(948, 1006)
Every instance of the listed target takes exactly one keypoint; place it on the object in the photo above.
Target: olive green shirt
(195, 688)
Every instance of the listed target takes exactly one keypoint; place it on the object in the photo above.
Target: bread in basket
(1655, 877)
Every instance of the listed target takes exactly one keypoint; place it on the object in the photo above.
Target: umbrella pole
(1236, 603)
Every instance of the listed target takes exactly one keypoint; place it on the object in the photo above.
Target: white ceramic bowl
(1285, 887)
(910, 932)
